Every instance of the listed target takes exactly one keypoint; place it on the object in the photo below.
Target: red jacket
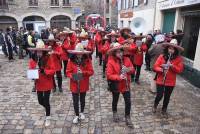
(32, 64)
(100, 45)
(90, 46)
(177, 67)
(139, 54)
(105, 49)
(45, 81)
(87, 71)
(67, 46)
(56, 56)
(121, 40)
(113, 72)
(97, 37)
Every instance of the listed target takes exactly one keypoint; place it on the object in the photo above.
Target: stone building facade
(37, 14)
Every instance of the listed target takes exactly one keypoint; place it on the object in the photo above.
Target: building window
(66, 3)
(140, 2)
(107, 6)
(33, 2)
(3, 4)
(122, 4)
(54, 2)
(130, 2)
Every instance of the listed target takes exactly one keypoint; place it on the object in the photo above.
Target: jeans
(43, 99)
(147, 60)
(127, 99)
(166, 91)
(75, 97)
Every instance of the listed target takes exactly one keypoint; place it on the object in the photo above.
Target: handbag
(113, 86)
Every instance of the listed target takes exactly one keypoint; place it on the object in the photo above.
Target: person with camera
(119, 70)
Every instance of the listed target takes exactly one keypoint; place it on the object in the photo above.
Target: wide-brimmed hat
(83, 34)
(138, 37)
(105, 37)
(51, 38)
(117, 46)
(112, 33)
(173, 43)
(65, 31)
(40, 47)
(79, 50)
(125, 29)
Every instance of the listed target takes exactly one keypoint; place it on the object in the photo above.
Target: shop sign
(126, 14)
(176, 3)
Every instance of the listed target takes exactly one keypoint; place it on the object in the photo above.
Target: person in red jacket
(119, 70)
(167, 66)
(56, 56)
(79, 69)
(69, 41)
(124, 35)
(138, 59)
(44, 84)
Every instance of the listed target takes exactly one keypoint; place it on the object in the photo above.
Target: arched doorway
(35, 23)
(60, 22)
(80, 21)
(7, 21)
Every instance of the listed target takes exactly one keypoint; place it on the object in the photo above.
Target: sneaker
(129, 122)
(47, 121)
(75, 120)
(82, 116)
(115, 117)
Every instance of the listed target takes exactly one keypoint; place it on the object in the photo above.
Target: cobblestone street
(21, 113)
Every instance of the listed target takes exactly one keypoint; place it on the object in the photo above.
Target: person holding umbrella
(79, 69)
(167, 66)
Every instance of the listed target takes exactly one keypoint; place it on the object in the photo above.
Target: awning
(191, 13)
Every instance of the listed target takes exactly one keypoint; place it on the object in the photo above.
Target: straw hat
(112, 33)
(117, 46)
(83, 34)
(79, 50)
(125, 29)
(173, 43)
(51, 39)
(40, 46)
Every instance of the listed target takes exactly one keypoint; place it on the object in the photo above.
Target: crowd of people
(119, 52)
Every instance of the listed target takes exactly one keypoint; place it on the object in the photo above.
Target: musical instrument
(165, 72)
(123, 71)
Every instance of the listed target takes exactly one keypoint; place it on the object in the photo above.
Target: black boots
(128, 121)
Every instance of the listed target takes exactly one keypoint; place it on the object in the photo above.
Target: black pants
(10, 52)
(59, 79)
(147, 60)
(166, 91)
(137, 73)
(127, 99)
(43, 99)
(97, 52)
(15, 49)
(76, 97)
(65, 66)
(100, 59)
(104, 67)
